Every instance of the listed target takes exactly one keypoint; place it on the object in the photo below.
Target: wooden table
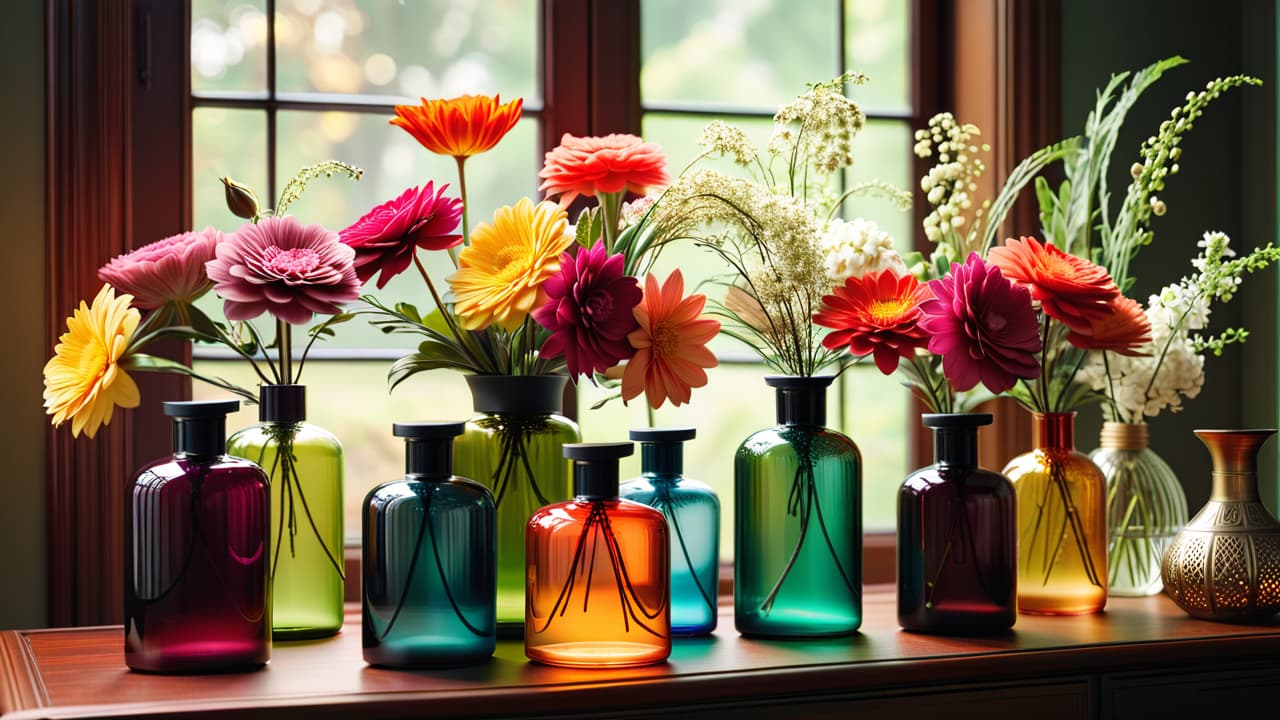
(1142, 655)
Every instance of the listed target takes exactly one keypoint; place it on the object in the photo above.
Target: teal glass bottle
(304, 463)
(798, 530)
(513, 447)
(692, 511)
(428, 559)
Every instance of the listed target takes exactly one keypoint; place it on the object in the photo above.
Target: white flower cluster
(728, 141)
(823, 122)
(948, 184)
(633, 211)
(857, 247)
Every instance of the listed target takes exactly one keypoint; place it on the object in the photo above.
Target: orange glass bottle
(598, 572)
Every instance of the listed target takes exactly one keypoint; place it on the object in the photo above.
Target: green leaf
(601, 403)
(431, 355)
(410, 312)
(202, 323)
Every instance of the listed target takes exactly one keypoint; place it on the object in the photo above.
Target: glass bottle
(513, 447)
(428, 559)
(798, 530)
(1062, 522)
(304, 463)
(599, 577)
(196, 585)
(957, 537)
(693, 523)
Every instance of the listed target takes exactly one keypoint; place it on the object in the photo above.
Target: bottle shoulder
(405, 489)
(786, 438)
(576, 512)
(303, 433)
(935, 478)
(224, 469)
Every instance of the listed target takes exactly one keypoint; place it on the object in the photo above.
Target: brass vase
(1225, 565)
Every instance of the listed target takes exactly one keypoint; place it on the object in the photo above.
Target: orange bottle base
(598, 654)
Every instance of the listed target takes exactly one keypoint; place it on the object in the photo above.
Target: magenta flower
(387, 236)
(588, 311)
(285, 268)
(168, 270)
(983, 327)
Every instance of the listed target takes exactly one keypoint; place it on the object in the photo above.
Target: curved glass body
(1062, 523)
(598, 580)
(798, 533)
(196, 567)
(429, 573)
(304, 463)
(519, 459)
(692, 511)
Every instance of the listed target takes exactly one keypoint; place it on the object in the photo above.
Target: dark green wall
(1227, 182)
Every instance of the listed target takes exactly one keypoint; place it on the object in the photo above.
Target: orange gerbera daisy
(83, 381)
(1069, 288)
(1123, 330)
(671, 344)
(609, 164)
(499, 278)
(461, 127)
(876, 314)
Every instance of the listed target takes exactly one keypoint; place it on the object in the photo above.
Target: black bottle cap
(200, 426)
(801, 400)
(428, 447)
(955, 437)
(282, 403)
(661, 452)
(517, 394)
(595, 468)
(955, 421)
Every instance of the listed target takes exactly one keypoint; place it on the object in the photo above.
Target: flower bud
(240, 199)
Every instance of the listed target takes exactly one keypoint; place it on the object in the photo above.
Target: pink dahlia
(589, 311)
(387, 236)
(983, 327)
(609, 164)
(285, 268)
(168, 270)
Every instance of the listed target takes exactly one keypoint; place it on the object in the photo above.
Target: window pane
(228, 45)
(752, 54)
(874, 411)
(882, 151)
(409, 49)
(877, 41)
(225, 143)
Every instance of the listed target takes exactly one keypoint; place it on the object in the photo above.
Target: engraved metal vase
(1225, 565)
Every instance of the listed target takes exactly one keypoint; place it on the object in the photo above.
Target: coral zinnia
(83, 381)
(671, 344)
(1069, 289)
(609, 164)
(500, 275)
(168, 270)
(1124, 330)
(588, 311)
(387, 236)
(461, 127)
(983, 327)
(285, 268)
(876, 314)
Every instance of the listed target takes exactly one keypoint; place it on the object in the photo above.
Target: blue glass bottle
(429, 564)
(692, 511)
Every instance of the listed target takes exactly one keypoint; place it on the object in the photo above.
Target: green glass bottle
(304, 463)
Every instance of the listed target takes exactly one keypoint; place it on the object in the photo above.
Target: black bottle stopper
(955, 436)
(282, 403)
(661, 449)
(801, 400)
(200, 426)
(595, 468)
(428, 448)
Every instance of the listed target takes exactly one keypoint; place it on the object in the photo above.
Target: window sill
(1056, 665)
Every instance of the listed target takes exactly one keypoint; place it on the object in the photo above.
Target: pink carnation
(387, 236)
(168, 270)
(589, 311)
(285, 268)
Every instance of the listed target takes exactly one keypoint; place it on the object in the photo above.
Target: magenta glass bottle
(957, 537)
(196, 574)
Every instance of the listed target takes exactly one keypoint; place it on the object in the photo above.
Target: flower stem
(610, 204)
(284, 346)
(462, 193)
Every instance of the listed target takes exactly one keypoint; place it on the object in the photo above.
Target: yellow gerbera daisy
(500, 275)
(83, 381)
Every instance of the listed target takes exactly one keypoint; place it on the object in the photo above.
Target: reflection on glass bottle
(196, 590)
(429, 563)
(598, 572)
(304, 463)
(798, 529)
(693, 520)
(957, 537)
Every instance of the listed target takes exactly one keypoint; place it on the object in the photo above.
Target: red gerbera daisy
(876, 314)
(609, 164)
(1124, 330)
(1069, 289)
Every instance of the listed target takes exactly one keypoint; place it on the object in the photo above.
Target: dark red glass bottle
(957, 537)
(196, 560)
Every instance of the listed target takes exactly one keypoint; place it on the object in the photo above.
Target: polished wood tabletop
(81, 672)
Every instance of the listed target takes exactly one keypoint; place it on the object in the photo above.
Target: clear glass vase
(1146, 507)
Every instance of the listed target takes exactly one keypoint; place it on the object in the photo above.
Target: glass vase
(957, 537)
(304, 463)
(514, 448)
(1146, 507)
(798, 529)
(1062, 522)
(428, 560)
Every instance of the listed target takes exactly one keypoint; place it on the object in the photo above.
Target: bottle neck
(428, 460)
(204, 437)
(1053, 431)
(955, 447)
(1123, 436)
(661, 459)
(802, 405)
(595, 481)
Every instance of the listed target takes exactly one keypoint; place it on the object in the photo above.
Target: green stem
(462, 193)
(610, 205)
(284, 345)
